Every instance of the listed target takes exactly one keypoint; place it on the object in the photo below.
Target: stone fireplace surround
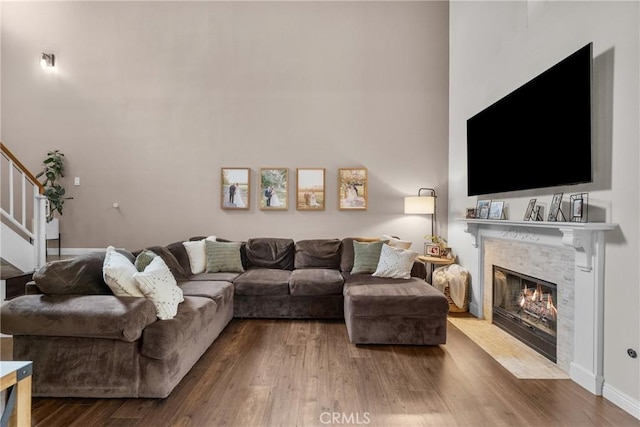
(568, 254)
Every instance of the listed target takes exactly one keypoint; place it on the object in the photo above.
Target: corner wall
(498, 46)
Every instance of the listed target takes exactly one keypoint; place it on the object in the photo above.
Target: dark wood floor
(307, 373)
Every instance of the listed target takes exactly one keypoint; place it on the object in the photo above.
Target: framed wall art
(274, 189)
(235, 188)
(352, 189)
(310, 192)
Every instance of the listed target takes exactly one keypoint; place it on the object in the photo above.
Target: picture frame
(529, 211)
(352, 189)
(235, 188)
(431, 250)
(554, 209)
(310, 189)
(471, 213)
(482, 209)
(274, 189)
(496, 210)
(579, 207)
(537, 213)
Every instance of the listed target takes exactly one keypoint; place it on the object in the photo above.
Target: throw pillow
(158, 284)
(144, 259)
(224, 256)
(197, 252)
(366, 257)
(118, 271)
(395, 263)
(395, 242)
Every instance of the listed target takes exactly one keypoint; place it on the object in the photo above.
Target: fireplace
(525, 307)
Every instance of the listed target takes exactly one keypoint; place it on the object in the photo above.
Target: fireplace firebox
(524, 307)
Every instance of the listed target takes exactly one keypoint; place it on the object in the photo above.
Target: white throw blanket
(456, 277)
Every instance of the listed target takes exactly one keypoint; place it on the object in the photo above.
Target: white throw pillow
(197, 253)
(118, 271)
(158, 284)
(395, 263)
(396, 243)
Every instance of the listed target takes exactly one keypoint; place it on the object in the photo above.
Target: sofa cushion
(118, 272)
(178, 250)
(219, 291)
(223, 256)
(89, 316)
(223, 276)
(319, 253)
(369, 296)
(158, 284)
(366, 257)
(270, 253)
(263, 281)
(163, 338)
(316, 281)
(395, 263)
(169, 258)
(81, 275)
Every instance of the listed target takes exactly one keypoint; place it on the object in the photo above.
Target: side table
(435, 260)
(16, 377)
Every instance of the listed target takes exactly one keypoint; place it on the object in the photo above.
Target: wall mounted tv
(537, 136)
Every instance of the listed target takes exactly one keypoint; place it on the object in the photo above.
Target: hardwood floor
(307, 373)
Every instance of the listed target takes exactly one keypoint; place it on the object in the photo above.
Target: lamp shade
(419, 205)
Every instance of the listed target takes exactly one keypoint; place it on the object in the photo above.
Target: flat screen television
(537, 136)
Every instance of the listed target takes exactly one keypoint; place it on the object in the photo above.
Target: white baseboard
(621, 400)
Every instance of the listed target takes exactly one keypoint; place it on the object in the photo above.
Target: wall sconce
(423, 205)
(47, 60)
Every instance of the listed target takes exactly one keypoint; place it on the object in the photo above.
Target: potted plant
(52, 170)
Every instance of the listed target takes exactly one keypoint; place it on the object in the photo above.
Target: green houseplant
(53, 170)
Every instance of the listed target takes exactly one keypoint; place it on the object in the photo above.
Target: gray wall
(498, 46)
(150, 99)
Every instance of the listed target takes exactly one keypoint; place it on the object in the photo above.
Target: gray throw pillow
(223, 256)
(366, 257)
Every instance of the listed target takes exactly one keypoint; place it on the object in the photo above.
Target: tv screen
(537, 136)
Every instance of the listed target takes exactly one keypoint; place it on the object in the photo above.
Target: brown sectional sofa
(86, 342)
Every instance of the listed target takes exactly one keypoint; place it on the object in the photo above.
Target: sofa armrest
(87, 316)
(32, 289)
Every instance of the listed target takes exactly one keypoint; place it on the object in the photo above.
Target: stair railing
(31, 191)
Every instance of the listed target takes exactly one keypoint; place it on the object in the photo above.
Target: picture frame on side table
(496, 210)
(482, 209)
(235, 188)
(274, 189)
(310, 192)
(352, 189)
(529, 211)
(432, 250)
(579, 207)
(554, 209)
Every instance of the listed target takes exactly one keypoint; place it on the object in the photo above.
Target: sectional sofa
(88, 337)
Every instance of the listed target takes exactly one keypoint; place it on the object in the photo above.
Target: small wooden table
(435, 260)
(16, 377)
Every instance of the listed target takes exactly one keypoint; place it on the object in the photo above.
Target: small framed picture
(235, 191)
(554, 210)
(482, 209)
(445, 252)
(537, 213)
(496, 210)
(579, 207)
(432, 250)
(352, 189)
(471, 213)
(529, 211)
(310, 189)
(274, 189)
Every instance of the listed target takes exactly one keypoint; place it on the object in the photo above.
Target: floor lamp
(424, 205)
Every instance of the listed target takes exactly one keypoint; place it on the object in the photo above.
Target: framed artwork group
(310, 191)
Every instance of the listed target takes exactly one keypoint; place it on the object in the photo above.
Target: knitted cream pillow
(158, 284)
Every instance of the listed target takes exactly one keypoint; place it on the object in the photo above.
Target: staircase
(22, 226)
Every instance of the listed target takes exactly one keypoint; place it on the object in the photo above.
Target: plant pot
(52, 229)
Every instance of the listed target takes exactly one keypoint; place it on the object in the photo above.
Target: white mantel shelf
(588, 242)
(578, 235)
